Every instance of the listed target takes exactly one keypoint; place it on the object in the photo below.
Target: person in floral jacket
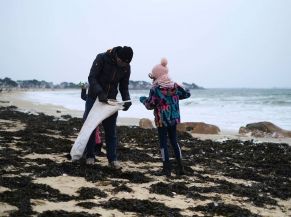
(164, 99)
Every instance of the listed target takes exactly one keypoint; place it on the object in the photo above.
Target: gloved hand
(142, 99)
(126, 106)
(102, 97)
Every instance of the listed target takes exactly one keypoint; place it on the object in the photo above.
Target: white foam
(227, 108)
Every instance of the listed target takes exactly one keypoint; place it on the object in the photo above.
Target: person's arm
(150, 102)
(123, 86)
(84, 94)
(183, 93)
(95, 71)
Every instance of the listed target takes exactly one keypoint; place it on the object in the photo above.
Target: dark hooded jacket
(106, 76)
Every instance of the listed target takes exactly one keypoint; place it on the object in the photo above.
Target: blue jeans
(164, 132)
(109, 125)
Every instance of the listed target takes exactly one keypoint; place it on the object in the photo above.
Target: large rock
(146, 123)
(264, 129)
(198, 127)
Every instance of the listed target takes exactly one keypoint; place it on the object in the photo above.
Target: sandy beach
(15, 98)
(226, 174)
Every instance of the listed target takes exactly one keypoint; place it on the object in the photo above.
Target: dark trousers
(164, 132)
(109, 125)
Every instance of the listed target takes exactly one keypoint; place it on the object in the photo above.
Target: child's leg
(163, 143)
(97, 135)
(173, 139)
(177, 149)
(98, 142)
(164, 150)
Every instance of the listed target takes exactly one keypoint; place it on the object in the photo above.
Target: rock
(264, 129)
(204, 128)
(198, 127)
(145, 123)
(258, 133)
(243, 130)
(186, 126)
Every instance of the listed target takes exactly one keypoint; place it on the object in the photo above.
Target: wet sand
(15, 98)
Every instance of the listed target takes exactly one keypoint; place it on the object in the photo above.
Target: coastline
(15, 98)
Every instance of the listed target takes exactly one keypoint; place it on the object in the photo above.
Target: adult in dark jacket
(110, 71)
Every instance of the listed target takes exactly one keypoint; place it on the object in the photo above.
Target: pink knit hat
(160, 74)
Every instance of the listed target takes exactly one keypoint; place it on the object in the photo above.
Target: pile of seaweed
(266, 166)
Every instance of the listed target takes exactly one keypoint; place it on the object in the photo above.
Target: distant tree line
(8, 83)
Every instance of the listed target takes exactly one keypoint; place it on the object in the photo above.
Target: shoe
(90, 161)
(166, 169)
(115, 165)
(180, 169)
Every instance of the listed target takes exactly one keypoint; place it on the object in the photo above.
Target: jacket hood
(169, 91)
(111, 57)
(111, 54)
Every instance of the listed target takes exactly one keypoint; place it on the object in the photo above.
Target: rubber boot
(167, 169)
(180, 168)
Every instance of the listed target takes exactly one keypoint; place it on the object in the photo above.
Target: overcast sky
(213, 43)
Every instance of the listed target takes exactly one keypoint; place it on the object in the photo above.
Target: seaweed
(222, 209)
(90, 193)
(266, 167)
(144, 207)
(62, 213)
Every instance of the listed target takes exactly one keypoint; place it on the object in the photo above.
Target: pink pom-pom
(164, 62)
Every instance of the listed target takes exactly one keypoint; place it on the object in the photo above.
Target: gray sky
(213, 43)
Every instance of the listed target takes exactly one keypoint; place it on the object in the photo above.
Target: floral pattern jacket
(165, 103)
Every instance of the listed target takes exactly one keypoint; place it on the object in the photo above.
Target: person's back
(166, 104)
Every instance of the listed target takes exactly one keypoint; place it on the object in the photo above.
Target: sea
(229, 109)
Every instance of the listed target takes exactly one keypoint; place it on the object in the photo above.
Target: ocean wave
(278, 102)
(223, 108)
